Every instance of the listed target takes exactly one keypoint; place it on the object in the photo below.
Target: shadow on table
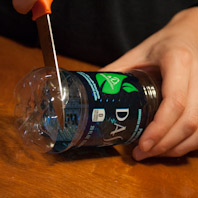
(85, 153)
(11, 146)
(13, 151)
(167, 161)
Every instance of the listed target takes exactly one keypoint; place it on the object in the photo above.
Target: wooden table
(100, 172)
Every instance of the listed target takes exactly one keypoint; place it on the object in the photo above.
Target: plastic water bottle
(100, 108)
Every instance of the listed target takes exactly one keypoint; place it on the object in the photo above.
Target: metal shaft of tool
(50, 57)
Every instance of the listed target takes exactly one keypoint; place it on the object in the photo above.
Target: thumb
(23, 6)
(133, 59)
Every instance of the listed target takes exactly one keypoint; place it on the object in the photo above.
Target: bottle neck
(151, 85)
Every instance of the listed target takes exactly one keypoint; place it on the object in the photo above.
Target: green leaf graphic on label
(111, 82)
(129, 87)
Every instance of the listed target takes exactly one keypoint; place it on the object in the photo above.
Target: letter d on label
(123, 110)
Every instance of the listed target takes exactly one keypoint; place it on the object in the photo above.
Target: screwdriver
(41, 14)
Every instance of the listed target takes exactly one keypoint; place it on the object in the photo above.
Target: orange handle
(40, 8)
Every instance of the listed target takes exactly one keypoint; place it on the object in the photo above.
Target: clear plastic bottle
(101, 108)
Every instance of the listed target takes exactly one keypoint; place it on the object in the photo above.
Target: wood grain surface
(101, 172)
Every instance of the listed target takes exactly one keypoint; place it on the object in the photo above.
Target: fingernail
(147, 145)
(139, 155)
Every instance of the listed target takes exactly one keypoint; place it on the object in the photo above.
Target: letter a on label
(119, 128)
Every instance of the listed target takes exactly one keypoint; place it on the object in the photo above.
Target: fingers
(183, 137)
(178, 139)
(23, 6)
(188, 145)
(174, 92)
(185, 147)
(183, 128)
(138, 154)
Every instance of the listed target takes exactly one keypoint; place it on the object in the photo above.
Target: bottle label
(116, 108)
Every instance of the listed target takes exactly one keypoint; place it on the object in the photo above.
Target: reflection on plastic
(36, 118)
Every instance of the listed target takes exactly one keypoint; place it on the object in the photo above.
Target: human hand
(23, 6)
(174, 130)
